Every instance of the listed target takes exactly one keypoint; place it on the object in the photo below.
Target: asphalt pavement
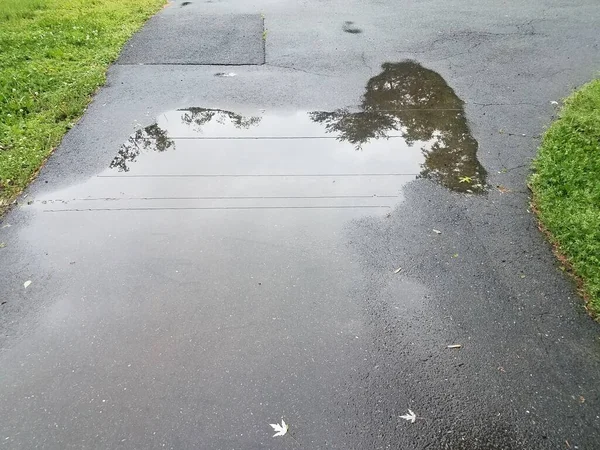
(310, 211)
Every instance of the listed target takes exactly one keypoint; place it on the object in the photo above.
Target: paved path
(234, 261)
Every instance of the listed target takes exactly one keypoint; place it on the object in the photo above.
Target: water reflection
(415, 102)
(154, 138)
(201, 116)
(405, 100)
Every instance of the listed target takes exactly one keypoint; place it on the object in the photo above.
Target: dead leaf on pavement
(398, 270)
(455, 346)
(411, 416)
(280, 429)
(503, 189)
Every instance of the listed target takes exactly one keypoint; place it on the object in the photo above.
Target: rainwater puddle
(410, 124)
(415, 103)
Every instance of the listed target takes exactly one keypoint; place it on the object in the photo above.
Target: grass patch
(566, 189)
(53, 56)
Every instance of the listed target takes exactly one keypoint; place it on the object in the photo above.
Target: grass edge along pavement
(566, 190)
(53, 57)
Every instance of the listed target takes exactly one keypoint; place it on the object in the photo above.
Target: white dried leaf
(437, 231)
(280, 429)
(411, 416)
(398, 270)
(27, 283)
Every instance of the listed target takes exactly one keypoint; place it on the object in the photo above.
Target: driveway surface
(300, 234)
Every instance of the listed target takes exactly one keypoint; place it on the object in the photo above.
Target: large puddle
(404, 101)
(214, 262)
(410, 124)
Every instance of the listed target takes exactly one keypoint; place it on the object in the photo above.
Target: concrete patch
(197, 39)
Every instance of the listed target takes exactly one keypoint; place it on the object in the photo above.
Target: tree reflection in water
(416, 103)
(405, 99)
(202, 116)
(154, 138)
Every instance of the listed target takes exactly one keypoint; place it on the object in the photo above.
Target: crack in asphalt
(299, 70)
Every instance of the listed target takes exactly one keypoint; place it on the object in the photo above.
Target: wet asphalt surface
(216, 247)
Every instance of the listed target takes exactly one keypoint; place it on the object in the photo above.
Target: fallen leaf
(502, 189)
(280, 429)
(398, 270)
(455, 346)
(27, 283)
(2, 245)
(411, 416)
(437, 231)
(581, 399)
(553, 102)
(465, 179)
(8, 225)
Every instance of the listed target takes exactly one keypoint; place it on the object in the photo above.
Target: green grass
(53, 56)
(566, 189)
(23, 9)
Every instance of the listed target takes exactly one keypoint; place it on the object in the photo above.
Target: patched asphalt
(198, 274)
(192, 37)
